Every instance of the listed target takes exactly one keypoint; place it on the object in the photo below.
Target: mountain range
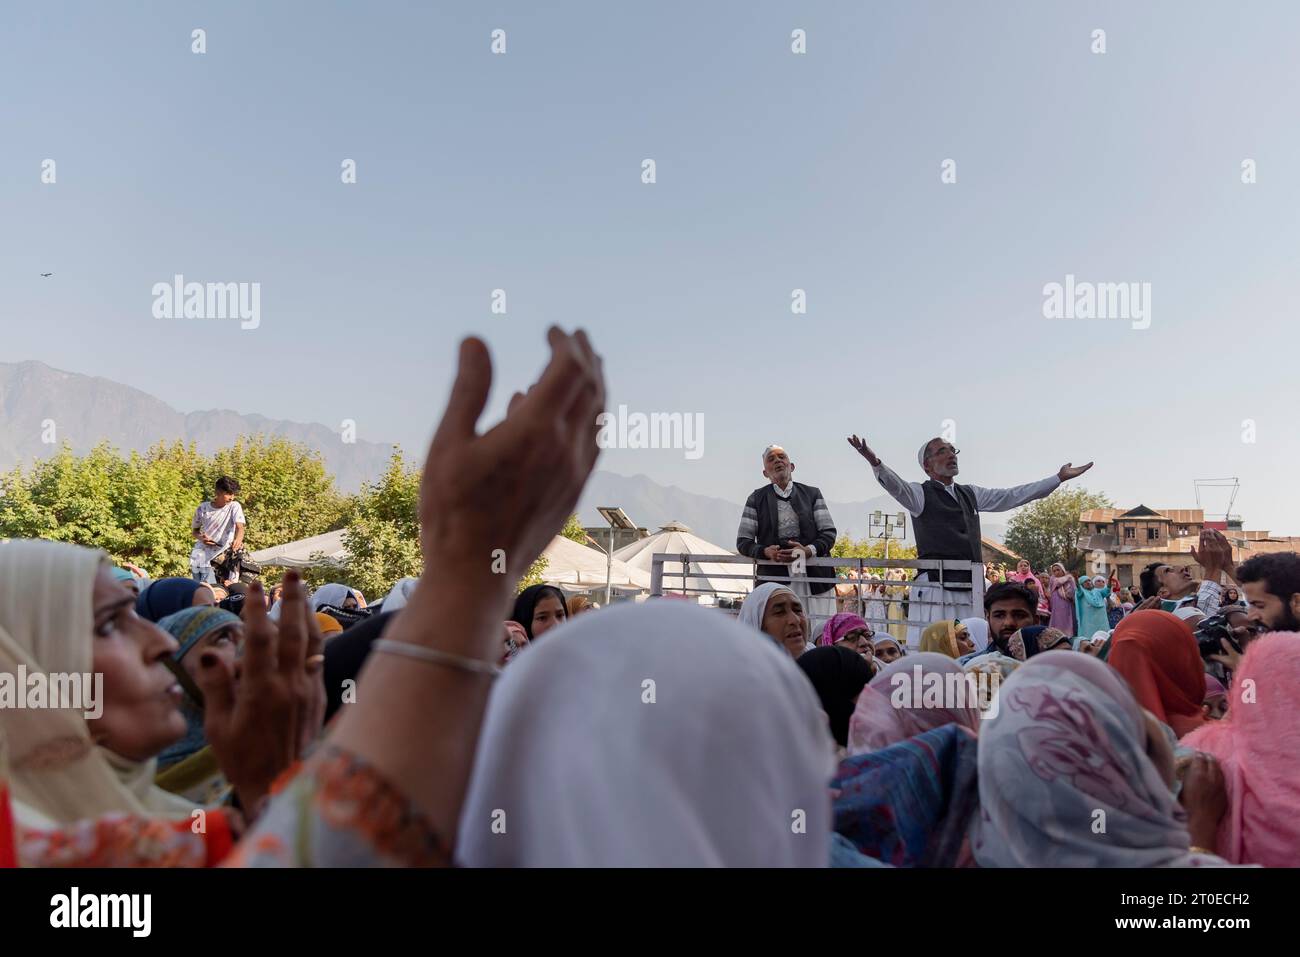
(86, 410)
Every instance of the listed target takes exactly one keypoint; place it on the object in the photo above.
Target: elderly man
(945, 518)
(783, 521)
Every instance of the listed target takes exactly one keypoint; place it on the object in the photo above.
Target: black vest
(801, 500)
(948, 527)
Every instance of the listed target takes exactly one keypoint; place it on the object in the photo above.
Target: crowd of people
(458, 721)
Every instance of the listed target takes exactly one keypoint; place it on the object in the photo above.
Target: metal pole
(609, 565)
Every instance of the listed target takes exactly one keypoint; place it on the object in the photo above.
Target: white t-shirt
(217, 524)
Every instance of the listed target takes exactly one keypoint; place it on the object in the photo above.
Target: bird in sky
(44, 274)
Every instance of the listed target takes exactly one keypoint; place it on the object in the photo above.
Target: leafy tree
(1046, 531)
(871, 548)
(285, 490)
(574, 531)
(383, 531)
(139, 508)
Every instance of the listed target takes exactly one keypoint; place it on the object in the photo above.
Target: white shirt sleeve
(910, 495)
(239, 514)
(1003, 499)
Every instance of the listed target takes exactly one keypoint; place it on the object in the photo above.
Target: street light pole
(617, 518)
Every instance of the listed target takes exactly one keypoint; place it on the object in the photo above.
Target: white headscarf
(47, 624)
(754, 607)
(333, 594)
(979, 631)
(400, 594)
(590, 772)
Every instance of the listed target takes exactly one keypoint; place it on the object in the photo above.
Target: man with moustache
(785, 521)
(1008, 607)
(945, 519)
(1272, 587)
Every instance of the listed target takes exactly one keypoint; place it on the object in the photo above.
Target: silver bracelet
(432, 655)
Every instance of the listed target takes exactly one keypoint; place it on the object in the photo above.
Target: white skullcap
(920, 456)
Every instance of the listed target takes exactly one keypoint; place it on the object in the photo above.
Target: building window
(1101, 529)
(1130, 531)
(1182, 529)
(1153, 534)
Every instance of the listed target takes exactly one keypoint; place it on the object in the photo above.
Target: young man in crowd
(1008, 607)
(217, 525)
(1272, 587)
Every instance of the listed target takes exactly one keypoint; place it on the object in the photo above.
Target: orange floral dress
(338, 811)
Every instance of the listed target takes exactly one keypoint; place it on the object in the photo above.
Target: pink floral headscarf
(877, 724)
(1066, 750)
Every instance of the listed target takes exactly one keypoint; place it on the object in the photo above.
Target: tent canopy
(568, 563)
(311, 552)
(702, 577)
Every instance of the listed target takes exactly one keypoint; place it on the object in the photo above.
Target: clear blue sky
(775, 171)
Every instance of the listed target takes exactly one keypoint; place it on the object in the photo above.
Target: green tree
(871, 548)
(1046, 531)
(156, 503)
(285, 489)
(574, 531)
(139, 508)
(383, 531)
(383, 534)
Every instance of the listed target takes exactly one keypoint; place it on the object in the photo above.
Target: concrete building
(1125, 541)
(599, 536)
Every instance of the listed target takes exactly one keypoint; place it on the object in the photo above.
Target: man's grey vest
(948, 527)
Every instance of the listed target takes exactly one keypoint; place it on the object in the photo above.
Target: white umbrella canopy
(702, 577)
(310, 552)
(568, 563)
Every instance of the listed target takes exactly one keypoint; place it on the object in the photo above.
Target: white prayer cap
(920, 456)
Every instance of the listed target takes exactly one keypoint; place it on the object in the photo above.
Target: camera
(1208, 634)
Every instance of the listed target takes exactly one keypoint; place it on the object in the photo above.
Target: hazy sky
(775, 171)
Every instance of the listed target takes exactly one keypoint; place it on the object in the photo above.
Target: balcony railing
(681, 574)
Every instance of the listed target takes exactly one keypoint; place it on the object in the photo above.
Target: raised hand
(505, 493)
(261, 716)
(511, 488)
(1214, 555)
(863, 450)
(1068, 471)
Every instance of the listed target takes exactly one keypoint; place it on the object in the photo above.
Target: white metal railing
(673, 573)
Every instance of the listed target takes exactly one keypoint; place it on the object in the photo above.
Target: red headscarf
(1156, 653)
